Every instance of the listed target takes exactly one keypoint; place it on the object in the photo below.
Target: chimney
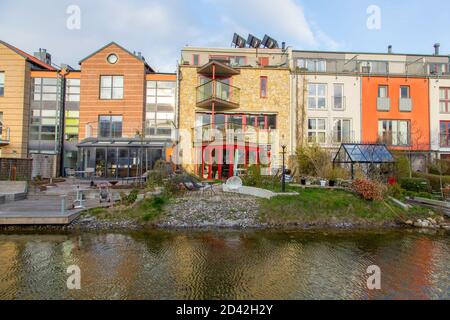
(436, 48)
(44, 56)
(283, 45)
(390, 49)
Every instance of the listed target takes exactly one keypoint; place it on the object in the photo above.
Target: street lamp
(283, 171)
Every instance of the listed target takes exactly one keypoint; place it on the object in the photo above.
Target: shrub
(395, 191)
(415, 184)
(253, 177)
(313, 161)
(402, 167)
(132, 197)
(369, 190)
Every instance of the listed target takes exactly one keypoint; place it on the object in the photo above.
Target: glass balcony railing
(232, 132)
(221, 92)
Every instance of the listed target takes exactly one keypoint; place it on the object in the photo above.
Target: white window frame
(341, 138)
(317, 97)
(409, 92)
(316, 131)
(111, 95)
(342, 97)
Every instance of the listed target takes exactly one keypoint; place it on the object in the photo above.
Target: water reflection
(225, 265)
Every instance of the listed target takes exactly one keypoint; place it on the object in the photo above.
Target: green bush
(132, 197)
(395, 191)
(415, 184)
(434, 180)
(402, 167)
(253, 177)
(313, 161)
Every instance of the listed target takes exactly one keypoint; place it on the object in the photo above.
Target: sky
(161, 28)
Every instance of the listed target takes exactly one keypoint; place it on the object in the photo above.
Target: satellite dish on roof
(238, 41)
(269, 42)
(253, 42)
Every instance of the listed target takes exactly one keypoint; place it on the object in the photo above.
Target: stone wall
(21, 167)
(277, 100)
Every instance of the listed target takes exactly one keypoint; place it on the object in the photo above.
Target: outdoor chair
(192, 185)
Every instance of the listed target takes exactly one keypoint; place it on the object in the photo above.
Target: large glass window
(317, 130)
(444, 100)
(342, 131)
(2, 84)
(394, 132)
(160, 109)
(73, 90)
(110, 126)
(317, 96)
(111, 87)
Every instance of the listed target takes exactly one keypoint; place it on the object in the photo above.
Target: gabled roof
(29, 57)
(114, 43)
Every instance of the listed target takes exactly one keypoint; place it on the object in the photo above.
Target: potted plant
(303, 181)
(333, 176)
(323, 183)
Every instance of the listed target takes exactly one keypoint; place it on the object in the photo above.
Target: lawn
(315, 205)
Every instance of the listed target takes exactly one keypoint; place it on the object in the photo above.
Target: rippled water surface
(225, 265)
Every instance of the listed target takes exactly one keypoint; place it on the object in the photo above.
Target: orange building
(395, 111)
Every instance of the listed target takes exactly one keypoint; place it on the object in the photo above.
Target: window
(312, 65)
(342, 131)
(112, 58)
(237, 61)
(383, 91)
(73, 90)
(317, 130)
(317, 96)
(110, 126)
(263, 87)
(263, 61)
(196, 60)
(404, 92)
(394, 132)
(160, 109)
(111, 87)
(2, 84)
(1, 124)
(445, 133)
(444, 100)
(338, 98)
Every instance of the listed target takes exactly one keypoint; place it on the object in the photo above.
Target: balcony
(383, 104)
(405, 104)
(4, 136)
(218, 69)
(221, 94)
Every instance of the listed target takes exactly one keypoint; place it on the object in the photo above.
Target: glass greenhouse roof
(364, 153)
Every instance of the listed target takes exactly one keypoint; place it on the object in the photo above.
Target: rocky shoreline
(224, 211)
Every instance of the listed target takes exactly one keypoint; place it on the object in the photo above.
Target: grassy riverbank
(312, 208)
(332, 207)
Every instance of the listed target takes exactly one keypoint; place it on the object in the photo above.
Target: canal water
(225, 265)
